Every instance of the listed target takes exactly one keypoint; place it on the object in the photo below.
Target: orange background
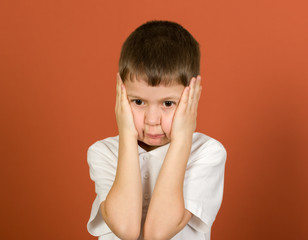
(58, 68)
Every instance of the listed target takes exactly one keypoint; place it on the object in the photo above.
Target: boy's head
(157, 61)
(160, 52)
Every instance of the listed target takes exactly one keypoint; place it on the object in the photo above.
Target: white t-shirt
(202, 190)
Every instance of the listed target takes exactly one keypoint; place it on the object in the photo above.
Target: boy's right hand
(123, 111)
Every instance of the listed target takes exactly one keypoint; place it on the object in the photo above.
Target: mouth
(155, 135)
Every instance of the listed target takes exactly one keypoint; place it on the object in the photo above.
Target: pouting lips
(155, 135)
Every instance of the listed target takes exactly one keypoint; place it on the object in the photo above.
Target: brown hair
(160, 52)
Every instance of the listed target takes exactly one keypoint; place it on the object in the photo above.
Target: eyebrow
(166, 98)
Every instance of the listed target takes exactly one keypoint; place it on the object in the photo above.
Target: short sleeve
(203, 184)
(102, 164)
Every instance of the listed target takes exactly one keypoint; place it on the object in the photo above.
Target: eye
(137, 101)
(169, 104)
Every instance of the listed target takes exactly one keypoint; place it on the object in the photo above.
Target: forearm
(123, 205)
(167, 207)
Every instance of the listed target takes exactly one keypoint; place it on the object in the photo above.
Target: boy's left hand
(185, 117)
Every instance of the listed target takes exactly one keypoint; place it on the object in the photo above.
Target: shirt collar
(157, 152)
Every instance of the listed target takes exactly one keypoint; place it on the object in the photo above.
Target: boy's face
(153, 109)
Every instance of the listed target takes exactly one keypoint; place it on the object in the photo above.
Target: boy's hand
(185, 117)
(124, 115)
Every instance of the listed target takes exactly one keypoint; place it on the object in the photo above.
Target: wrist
(182, 138)
(128, 136)
(184, 141)
(182, 147)
(128, 132)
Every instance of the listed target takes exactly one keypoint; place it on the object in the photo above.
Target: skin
(153, 110)
(152, 114)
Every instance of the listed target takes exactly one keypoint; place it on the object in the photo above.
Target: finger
(191, 93)
(123, 94)
(184, 99)
(197, 85)
(199, 95)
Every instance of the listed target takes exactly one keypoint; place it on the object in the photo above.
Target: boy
(158, 179)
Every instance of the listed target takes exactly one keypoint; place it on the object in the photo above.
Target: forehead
(139, 88)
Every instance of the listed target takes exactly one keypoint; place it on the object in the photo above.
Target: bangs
(153, 77)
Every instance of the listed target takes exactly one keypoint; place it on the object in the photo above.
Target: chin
(153, 143)
(156, 141)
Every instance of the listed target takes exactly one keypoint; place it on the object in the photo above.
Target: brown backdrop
(58, 68)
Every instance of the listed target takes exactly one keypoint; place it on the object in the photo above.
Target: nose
(152, 116)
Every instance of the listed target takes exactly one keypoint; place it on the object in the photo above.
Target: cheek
(167, 123)
(138, 119)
